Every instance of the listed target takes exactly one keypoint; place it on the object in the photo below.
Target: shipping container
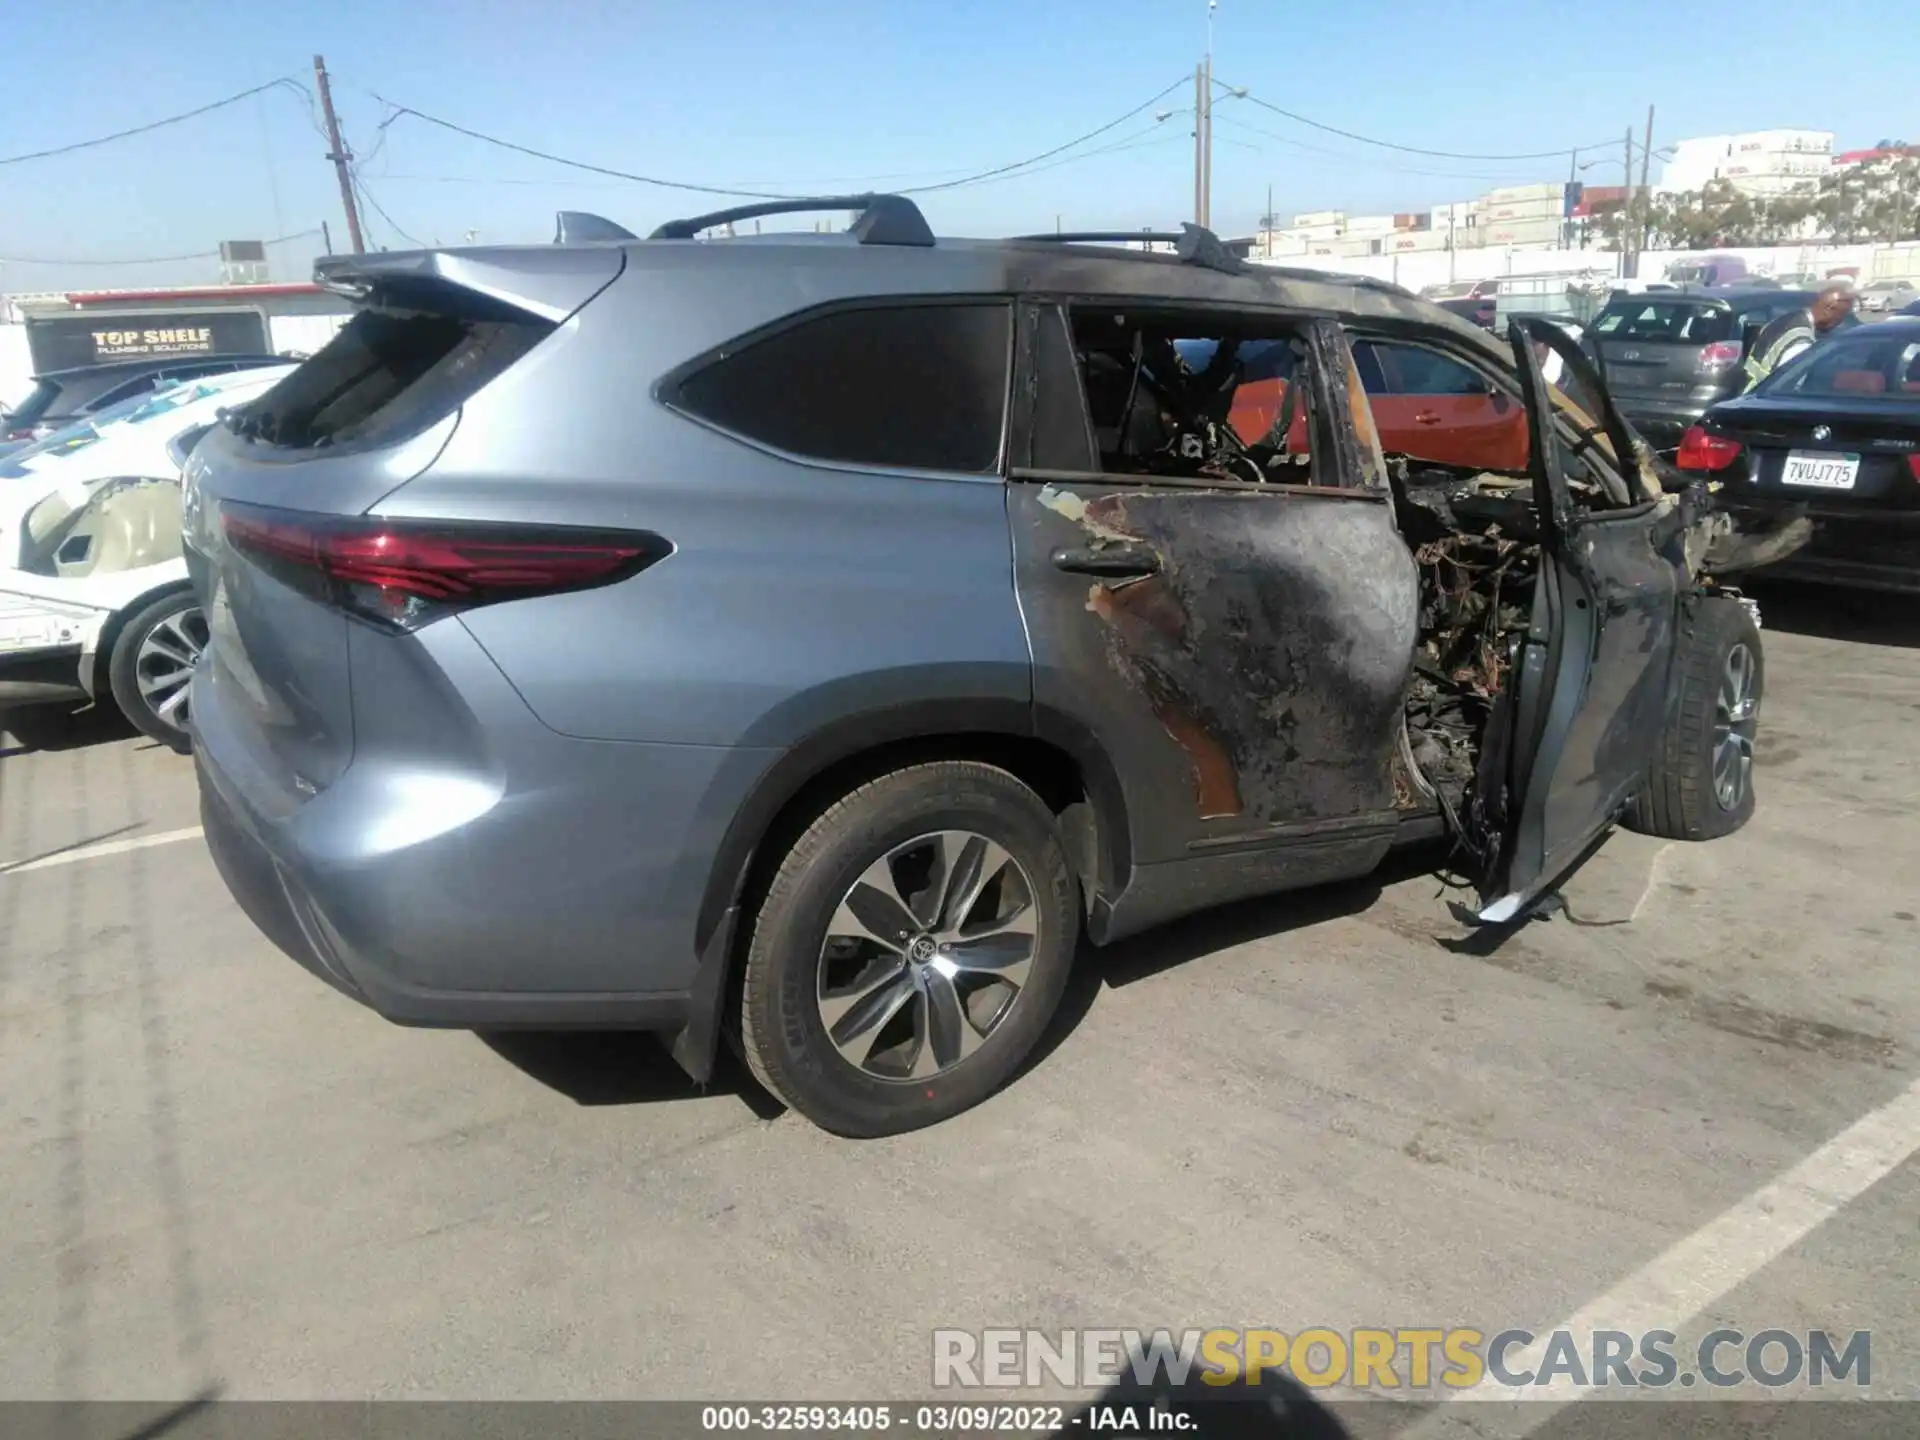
(1524, 210)
(1370, 225)
(1317, 218)
(1405, 241)
(1511, 193)
(1408, 220)
(1766, 141)
(1523, 232)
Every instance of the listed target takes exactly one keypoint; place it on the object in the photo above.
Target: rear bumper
(287, 906)
(555, 887)
(1870, 551)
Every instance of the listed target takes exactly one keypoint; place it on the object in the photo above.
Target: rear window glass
(1672, 322)
(1854, 366)
(912, 387)
(390, 373)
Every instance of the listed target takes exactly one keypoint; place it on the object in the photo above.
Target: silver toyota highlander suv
(807, 639)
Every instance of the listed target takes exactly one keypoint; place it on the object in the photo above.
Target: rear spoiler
(550, 282)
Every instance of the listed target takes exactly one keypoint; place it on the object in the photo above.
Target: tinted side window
(1436, 410)
(1426, 372)
(920, 387)
(1062, 437)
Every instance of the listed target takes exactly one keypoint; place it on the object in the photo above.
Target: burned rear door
(1240, 648)
(1588, 698)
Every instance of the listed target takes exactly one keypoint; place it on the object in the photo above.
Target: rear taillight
(1702, 451)
(402, 574)
(1913, 465)
(1720, 354)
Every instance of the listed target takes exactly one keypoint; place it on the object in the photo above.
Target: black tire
(783, 1031)
(1682, 800)
(134, 660)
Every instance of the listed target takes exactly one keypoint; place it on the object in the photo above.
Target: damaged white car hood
(41, 610)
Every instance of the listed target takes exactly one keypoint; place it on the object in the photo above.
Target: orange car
(1424, 404)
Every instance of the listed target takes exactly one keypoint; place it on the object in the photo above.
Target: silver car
(810, 638)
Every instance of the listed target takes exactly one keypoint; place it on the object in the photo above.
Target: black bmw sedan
(1819, 465)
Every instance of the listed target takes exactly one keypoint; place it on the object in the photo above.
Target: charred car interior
(1185, 399)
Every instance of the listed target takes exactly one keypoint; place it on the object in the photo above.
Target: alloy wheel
(926, 955)
(1735, 718)
(164, 664)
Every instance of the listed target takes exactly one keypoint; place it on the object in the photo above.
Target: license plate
(1825, 472)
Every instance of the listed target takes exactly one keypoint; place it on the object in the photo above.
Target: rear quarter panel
(796, 593)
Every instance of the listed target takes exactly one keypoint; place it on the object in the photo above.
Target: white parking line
(1672, 1289)
(105, 847)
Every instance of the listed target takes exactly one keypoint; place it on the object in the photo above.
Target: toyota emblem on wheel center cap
(921, 950)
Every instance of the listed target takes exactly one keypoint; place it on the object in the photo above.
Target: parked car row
(1669, 356)
(1819, 465)
(94, 599)
(60, 398)
(518, 703)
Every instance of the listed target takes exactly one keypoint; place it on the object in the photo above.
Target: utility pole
(1206, 126)
(1629, 265)
(1646, 200)
(1206, 153)
(1200, 144)
(338, 155)
(1566, 215)
(1267, 223)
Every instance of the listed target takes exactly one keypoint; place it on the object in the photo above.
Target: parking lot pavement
(1336, 1109)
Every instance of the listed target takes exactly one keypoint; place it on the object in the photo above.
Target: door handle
(1426, 417)
(1116, 560)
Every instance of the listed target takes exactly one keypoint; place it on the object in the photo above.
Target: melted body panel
(1592, 682)
(1242, 654)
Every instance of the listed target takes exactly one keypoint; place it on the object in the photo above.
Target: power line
(1243, 94)
(1138, 140)
(155, 259)
(360, 186)
(996, 171)
(155, 124)
(1349, 157)
(400, 111)
(1048, 154)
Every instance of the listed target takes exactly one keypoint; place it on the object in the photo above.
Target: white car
(94, 600)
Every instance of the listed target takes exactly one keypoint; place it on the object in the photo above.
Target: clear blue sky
(844, 93)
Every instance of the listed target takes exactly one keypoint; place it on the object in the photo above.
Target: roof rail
(1106, 237)
(884, 219)
(575, 227)
(1194, 244)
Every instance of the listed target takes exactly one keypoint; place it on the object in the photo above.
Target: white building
(1760, 162)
